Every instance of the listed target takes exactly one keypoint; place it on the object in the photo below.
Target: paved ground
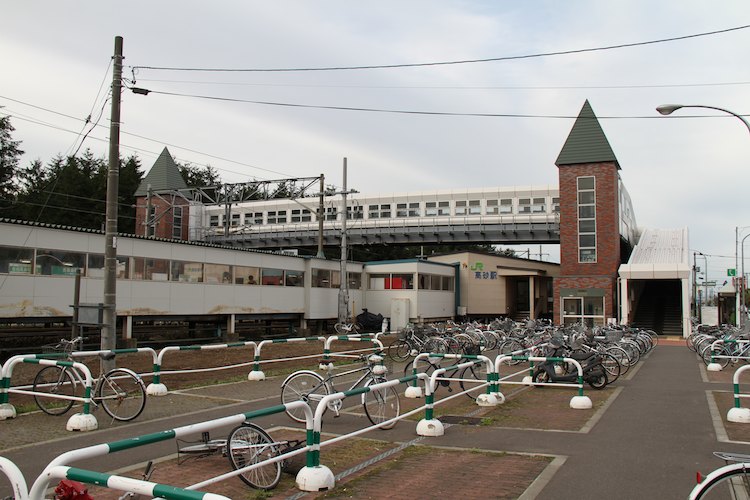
(646, 437)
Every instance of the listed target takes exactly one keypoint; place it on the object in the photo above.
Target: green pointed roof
(586, 142)
(163, 176)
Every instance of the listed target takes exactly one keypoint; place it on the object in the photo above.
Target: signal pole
(109, 315)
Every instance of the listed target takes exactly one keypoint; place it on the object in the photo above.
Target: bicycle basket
(613, 336)
(58, 349)
(402, 334)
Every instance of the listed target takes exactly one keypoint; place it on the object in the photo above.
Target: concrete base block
(7, 410)
(413, 392)
(156, 390)
(739, 415)
(528, 380)
(318, 478)
(487, 400)
(500, 397)
(82, 422)
(430, 428)
(256, 375)
(581, 403)
(713, 367)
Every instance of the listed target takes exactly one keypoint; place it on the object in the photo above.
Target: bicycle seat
(732, 457)
(106, 356)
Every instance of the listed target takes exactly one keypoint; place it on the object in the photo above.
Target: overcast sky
(680, 172)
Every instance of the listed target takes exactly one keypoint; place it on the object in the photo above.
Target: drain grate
(460, 420)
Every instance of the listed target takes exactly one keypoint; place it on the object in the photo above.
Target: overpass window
(524, 205)
(475, 207)
(586, 219)
(18, 260)
(150, 269)
(355, 280)
(492, 208)
(321, 278)
(506, 206)
(272, 277)
(217, 273)
(246, 275)
(294, 278)
(186, 272)
(461, 207)
(335, 279)
(95, 267)
(56, 262)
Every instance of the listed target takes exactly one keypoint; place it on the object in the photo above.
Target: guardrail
(737, 413)
(713, 366)
(84, 421)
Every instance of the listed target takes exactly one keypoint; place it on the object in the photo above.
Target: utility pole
(344, 282)
(321, 217)
(109, 315)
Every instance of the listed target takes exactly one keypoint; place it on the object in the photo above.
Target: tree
(10, 155)
(199, 176)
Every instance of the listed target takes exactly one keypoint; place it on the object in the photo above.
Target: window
(331, 213)
(295, 278)
(539, 206)
(58, 262)
(277, 217)
(301, 215)
(391, 281)
(446, 283)
(432, 281)
(272, 277)
(430, 209)
(586, 219)
(377, 281)
(321, 278)
(246, 275)
(556, 205)
(213, 221)
(373, 212)
(492, 207)
(460, 208)
(150, 269)
(423, 281)
(253, 218)
(356, 212)
(524, 205)
(475, 207)
(151, 221)
(355, 281)
(335, 279)
(235, 220)
(506, 206)
(186, 272)
(444, 208)
(414, 210)
(16, 260)
(177, 223)
(218, 273)
(401, 210)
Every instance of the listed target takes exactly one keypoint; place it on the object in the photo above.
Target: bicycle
(120, 391)
(347, 328)
(409, 344)
(380, 405)
(730, 481)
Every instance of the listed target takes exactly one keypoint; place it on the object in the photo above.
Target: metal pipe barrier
(158, 388)
(713, 366)
(579, 402)
(738, 414)
(42, 482)
(15, 476)
(257, 373)
(487, 399)
(84, 421)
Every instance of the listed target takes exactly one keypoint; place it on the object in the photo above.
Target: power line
(445, 63)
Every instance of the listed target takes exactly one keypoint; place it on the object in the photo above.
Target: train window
(16, 260)
(321, 278)
(506, 206)
(213, 221)
(295, 278)
(95, 267)
(430, 209)
(373, 212)
(414, 210)
(492, 207)
(331, 213)
(217, 273)
(235, 220)
(401, 210)
(475, 207)
(301, 215)
(539, 206)
(524, 205)
(461, 207)
(186, 272)
(245, 275)
(355, 212)
(272, 217)
(56, 262)
(273, 277)
(556, 205)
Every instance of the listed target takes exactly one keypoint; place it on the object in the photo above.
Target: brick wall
(164, 215)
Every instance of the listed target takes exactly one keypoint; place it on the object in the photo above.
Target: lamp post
(742, 283)
(668, 109)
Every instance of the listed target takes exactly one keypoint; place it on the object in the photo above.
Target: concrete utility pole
(344, 282)
(321, 217)
(109, 315)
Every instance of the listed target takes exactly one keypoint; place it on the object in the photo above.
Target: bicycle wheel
(621, 356)
(399, 350)
(473, 372)
(58, 381)
(611, 366)
(306, 386)
(121, 394)
(730, 481)
(381, 404)
(248, 445)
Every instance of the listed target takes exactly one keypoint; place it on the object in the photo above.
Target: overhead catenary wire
(135, 68)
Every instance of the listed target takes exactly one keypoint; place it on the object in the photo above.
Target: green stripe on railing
(125, 350)
(354, 392)
(190, 348)
(164, 491)
(279, 341)
(407, 378)
(271, 410)
(736, 395)
(126, 444)
(236, 344)
(87, 476)
(580, 385)
(86, 405)
(310, 339)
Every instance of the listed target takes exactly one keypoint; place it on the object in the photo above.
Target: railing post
(738, 414)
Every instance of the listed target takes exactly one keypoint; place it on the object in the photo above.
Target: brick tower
(158, 193)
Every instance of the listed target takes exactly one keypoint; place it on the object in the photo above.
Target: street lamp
(668, 109)
(742, 309)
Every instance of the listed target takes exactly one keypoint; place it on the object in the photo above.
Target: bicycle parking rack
(579, 402)
(83, 421)
(713, 366)
(157, 387)
(326, 363)
(738, 414)
(257, 374)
